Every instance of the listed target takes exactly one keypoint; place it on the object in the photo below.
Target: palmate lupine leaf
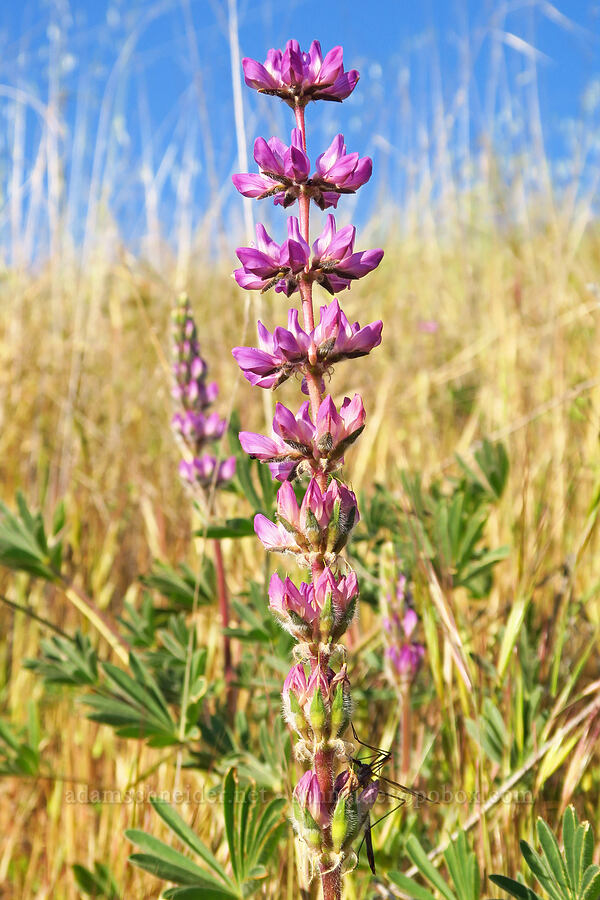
(489, 731)
(514, 888)
(569, 875)
(140, 624)
(461, 863)
(24, 545)
(170, 865)
(252, 830)
(71, 661)
(98, 884)
(19, 749)
(133, 704)
(181, 585)
(447, 521)
(493, 462)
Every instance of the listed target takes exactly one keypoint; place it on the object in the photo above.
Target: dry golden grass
(84, 400)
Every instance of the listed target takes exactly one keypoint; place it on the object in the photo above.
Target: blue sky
(144, 90)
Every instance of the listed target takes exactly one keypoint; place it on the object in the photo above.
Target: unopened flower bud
(341, 709)
(310, 808)
(294, 696)
(318, 716)
(326, 619)
(344, 822)
(344, 516)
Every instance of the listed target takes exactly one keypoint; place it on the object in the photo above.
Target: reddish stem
(324, 758)
(332, 884)
(406, 733)
(223, 597)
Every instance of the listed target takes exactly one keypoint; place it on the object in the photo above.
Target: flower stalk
(196, 429)
(403, 655)
(316, 511)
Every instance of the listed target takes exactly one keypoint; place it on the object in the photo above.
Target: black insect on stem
(368, 771)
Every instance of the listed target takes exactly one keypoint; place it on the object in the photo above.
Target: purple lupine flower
(317, 702)
(191, 424)
(338, 172)
(274, 536)
(283, 457)
(337, 339)
(268, 264)
(298, 441)
(406, 659)
(296, 683)
(308, 794)
(299, 77)
(293, 606)
(334, 431)
(195, 426)
(321, 524)
(342, 591)
(294, 695)
(283, 170)
(399, 623)
(206, 470)
(287, 350)
(334, 264)
(280, 354)
(303, 688)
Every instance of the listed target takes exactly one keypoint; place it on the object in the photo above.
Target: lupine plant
(196, 429)
(403, 654)
(316, 510)
(192, 424)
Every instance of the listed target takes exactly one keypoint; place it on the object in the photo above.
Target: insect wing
(412, 798)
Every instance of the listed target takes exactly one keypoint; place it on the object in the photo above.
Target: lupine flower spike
(330, 807)
(196, 429)
(192, 424)
(403, 654)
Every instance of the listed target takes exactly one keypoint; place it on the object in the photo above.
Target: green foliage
(177, 649)
(448, 526)
(570, 875)
(98, 884)
(509, 738)
(63, 660)
(445, 522)
(181, 586)
(20, 750)
(133, 704)
(140, 624)
(170, 673)
(461, 862)
(253, 829)
(24, 544)
(259, 755)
